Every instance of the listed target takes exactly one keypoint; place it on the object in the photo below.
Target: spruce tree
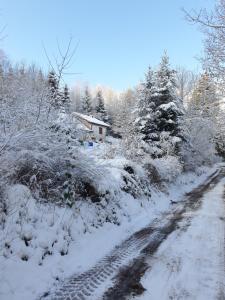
(159, 110)
(55, 96)
(100, 107)
(86, 102)
(66, 98)
(169, 107)
(145, 122)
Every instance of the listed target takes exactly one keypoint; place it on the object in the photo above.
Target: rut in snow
(118, 274)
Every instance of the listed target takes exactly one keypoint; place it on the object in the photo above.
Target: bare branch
(62, 62)
(47, 56)
(201, 18)
(213, 26)
(2, 36)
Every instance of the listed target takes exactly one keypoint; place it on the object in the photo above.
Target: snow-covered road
(180, 256)
(189, 264)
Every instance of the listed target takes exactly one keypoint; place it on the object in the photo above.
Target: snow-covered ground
(50, 243)
(190, 263)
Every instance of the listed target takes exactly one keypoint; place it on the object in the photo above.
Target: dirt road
(118, 275)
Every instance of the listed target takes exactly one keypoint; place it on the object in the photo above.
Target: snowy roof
(91, 119)
(81, 126)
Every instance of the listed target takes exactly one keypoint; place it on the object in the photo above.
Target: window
(100, 130)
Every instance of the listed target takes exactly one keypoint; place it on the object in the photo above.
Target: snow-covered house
(94, 128)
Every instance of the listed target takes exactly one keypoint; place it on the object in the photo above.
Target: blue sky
(118, 39)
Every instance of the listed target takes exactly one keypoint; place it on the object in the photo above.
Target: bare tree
(205, 18)
(76, 97)
(213, 26)
(61, 63)
(186, 81)
(59, 66)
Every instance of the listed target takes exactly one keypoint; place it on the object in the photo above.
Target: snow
(167, 106)
(82, 127)
(190, 263)
(91, 119)
(169, 167)
(63, 205)
(51, 230)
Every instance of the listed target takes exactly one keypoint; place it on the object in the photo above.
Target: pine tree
(100, 107)
(86, 102)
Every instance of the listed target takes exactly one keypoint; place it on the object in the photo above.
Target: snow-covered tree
(66, 103)
(198, 147)
(185, 82)
(205, 98)
(169, 106)
(159, 110)
(54, 91)
(87, 102)
(202, 125)
(100, 107)
(206, 101)
(76, 98)
(145, 122)
(123, 118)
(213, 26)
(219, 137)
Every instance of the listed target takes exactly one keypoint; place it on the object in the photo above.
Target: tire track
(122, 269)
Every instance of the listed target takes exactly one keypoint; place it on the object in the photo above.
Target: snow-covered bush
(55, 174)
(153, 174)
(39, 142)
(168, 167)
(24, 235)
(203, 125)
(199, 148)
(131, 177)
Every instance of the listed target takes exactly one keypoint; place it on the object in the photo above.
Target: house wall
(94, 128)
(99, 136)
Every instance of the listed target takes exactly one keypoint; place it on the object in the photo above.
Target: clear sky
(118, 39)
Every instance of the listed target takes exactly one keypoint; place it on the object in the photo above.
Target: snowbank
(42, 243)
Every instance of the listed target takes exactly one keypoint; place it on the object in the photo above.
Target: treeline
(168, 120)
(172, 112)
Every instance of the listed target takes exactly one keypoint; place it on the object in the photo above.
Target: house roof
(82, 127)
(91, 119)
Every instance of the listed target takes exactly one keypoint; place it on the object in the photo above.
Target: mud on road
(122, 269)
